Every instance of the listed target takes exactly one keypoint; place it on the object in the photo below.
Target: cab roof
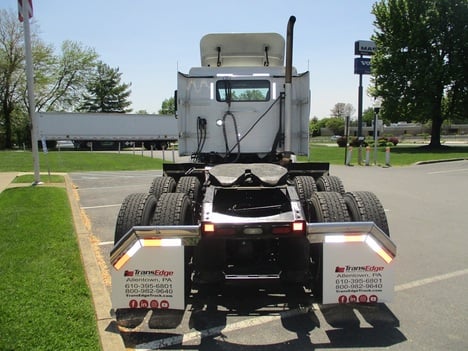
(242, 49)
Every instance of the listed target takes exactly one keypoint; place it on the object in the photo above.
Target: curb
(439, 161)
(109, 334)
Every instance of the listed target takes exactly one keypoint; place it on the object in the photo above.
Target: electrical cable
(254, 124)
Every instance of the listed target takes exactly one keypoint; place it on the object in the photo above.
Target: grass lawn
(400, 155)
(29, 179)
(46, 303)
(76, 161)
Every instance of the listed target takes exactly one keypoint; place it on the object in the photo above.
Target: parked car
(65, 145)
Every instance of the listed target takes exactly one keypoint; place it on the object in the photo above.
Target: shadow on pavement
(208, 313)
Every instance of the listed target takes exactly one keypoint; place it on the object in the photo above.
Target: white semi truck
(243, 209)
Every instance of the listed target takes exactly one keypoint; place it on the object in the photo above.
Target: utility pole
(25, 12)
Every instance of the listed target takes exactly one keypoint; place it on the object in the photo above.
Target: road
(426, 209)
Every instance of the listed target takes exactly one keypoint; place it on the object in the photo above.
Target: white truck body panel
(105, 126)
(197, 98)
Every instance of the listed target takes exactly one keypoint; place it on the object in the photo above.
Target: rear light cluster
(218, 229)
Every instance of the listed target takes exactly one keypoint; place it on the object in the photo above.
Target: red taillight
(281, 229)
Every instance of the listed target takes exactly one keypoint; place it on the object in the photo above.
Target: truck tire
(136, 209)
(330, 183)
(190, 186)
(327, 207)
(162, 185)
(305, 187)
(173, 209)
(364, 206)
(323, 207)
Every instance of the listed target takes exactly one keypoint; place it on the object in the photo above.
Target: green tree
(167, 107)
(336, 125)
(59, 79)
(368, 116)
(342, 110)
(314, 129)
(11, 68)
(105, 92)
(421, 60)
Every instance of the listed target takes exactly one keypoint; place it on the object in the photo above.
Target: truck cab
(232, 107)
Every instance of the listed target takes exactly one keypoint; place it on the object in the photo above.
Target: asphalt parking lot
(426, 209)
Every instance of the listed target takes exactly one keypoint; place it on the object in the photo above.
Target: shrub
(342, 141)
(393, 140)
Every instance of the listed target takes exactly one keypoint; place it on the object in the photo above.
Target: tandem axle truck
(243, 209)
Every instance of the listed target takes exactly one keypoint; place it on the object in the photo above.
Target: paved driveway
(426, 209)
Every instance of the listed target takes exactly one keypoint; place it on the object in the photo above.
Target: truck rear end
(243, 209)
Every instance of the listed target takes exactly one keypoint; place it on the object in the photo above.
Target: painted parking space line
(449, 171)
(105, 243)
(111, 187)
(100, 206)
(434, 279)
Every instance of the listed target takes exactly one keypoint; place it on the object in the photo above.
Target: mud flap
(358, 262)
(148, 269)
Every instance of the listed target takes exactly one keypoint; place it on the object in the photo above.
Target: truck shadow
(216, 319)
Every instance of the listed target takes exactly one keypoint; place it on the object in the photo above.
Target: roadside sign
(364, 47)
(362, 65)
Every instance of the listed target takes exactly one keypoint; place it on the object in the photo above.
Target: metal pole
(375, 136)
(346, 135)
(30, 85)
(288, 85)
(359, 130)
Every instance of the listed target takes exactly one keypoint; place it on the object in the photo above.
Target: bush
(342, 141)
(393, 140)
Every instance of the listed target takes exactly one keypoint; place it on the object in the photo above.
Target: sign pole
(362, 66)
(359, 131)
(26, 12)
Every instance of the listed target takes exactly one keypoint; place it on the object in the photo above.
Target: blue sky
(150, 40)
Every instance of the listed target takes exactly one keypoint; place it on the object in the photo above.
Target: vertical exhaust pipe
(289, 48)
(288, 86)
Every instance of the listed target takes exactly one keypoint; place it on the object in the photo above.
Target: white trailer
(150, 129)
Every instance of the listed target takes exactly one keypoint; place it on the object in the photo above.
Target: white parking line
(425, 281)
(104, 243)
(449, 171)
(252, 322)
(101, 206)
(112, 187)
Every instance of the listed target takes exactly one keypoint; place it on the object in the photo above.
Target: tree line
(419, 70)
(72, 80)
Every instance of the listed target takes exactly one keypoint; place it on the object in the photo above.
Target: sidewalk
(6, 178)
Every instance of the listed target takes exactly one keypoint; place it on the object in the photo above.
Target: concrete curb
(439, 161)
(109, 334)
